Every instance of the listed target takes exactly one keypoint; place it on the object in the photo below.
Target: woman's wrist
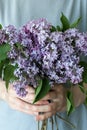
(3, 90)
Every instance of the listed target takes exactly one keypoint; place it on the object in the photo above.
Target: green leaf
(4, 49)
(68, 84)
(85, 101)
(53, 29)
(75, 24)
(38, 88)
(0, 26)
(9, 74)
(70, 104)
(83, 58)
(84, 75)
(19, 46)
(82, 88)
(58, 28)
(43, 90)
(2, 64)
(1, 68)
(3, 57)
(65, 22)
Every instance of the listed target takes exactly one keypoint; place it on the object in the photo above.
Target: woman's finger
(28, 98)
(18, 104)
(44, 108)
(30, 89)
(44, 116)
(51, 95)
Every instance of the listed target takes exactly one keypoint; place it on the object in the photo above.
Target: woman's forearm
(3, 90)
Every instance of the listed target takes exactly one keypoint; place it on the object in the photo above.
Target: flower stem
(44, 125)
(67, 122)
(56, 122)
(52, 122)
(38, 125)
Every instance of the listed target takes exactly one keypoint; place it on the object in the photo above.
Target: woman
(15, 112)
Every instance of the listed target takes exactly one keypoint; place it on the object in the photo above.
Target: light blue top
(18, 12)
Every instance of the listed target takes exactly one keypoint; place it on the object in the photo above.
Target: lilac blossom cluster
(3, 36)
(41, 53)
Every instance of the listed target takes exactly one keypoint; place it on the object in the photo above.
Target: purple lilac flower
(81, 42)
(20, 88)
(3, 36)
(58, 63)
(12, 33)
(43, 53)
(25, 59)
(40, 28)
(78, 39)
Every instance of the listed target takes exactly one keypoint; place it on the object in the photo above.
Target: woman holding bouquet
(16, 112)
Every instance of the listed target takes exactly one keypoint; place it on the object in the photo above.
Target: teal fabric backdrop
(18, 12)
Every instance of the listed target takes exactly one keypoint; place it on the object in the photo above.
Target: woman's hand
(57, 96)
(18, 103)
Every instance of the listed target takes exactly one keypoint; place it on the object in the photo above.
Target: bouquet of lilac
(40, 55)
